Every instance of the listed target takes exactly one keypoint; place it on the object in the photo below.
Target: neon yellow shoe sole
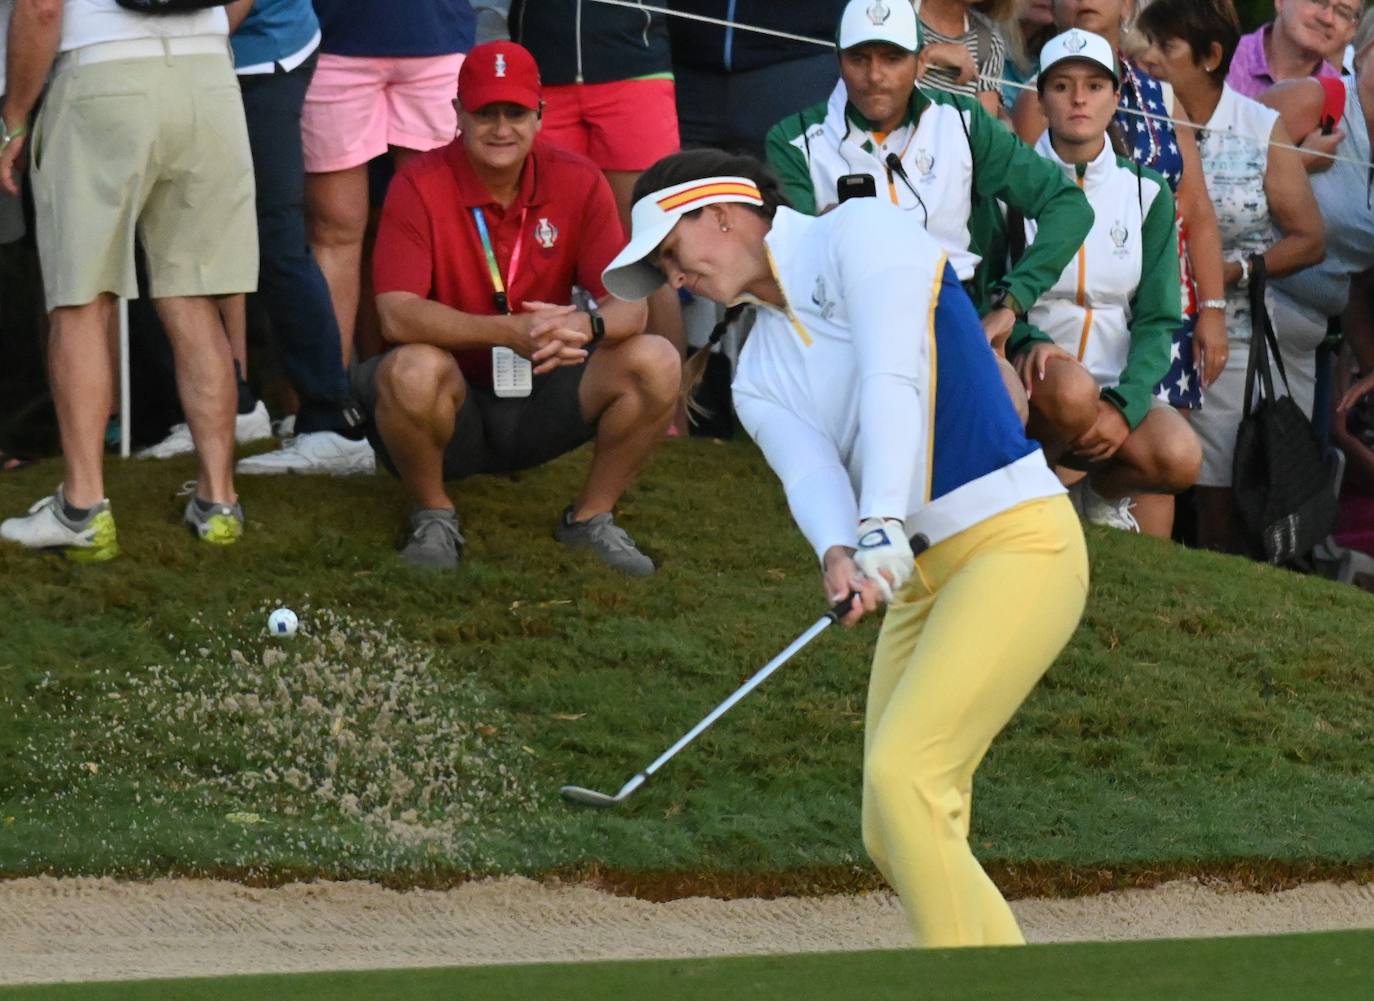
(104, 542)
(220, 530)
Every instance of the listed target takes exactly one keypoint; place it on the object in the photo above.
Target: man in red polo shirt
(478, 250)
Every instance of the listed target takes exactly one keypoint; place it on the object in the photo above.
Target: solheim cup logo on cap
(546, 233)
(878, 13)
(1075, 42)
(500, 64)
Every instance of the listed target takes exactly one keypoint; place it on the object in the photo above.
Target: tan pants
(961, 647)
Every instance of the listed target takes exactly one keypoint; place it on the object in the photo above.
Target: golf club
(590, 797)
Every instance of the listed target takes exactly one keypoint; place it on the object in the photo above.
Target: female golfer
(1114, 308)
(870, 387)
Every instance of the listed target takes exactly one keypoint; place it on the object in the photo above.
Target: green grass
(1208, 711)
(1332, 967)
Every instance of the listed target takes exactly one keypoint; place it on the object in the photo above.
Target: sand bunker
(103, 929)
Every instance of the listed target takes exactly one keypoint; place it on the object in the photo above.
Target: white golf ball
(282, 622)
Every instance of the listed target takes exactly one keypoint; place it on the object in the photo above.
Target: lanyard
(498, 287)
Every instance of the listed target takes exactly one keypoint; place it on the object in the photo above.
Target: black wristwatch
(598, 328)
(1002, 298)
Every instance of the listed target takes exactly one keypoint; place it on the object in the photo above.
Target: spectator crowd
(390, 219)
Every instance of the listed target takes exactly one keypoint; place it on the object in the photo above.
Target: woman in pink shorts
(386, 79)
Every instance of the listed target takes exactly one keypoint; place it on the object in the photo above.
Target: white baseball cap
(653, 217)
(1084, 46)
(890, 21)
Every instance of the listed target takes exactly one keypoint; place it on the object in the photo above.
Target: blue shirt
(396, 28)
(274, 30)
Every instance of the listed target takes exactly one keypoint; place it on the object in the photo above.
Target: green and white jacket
(957, 158)
(1116, 306)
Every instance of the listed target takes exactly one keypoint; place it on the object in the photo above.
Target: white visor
(653, 217)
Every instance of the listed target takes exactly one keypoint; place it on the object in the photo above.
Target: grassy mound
(1210, 715)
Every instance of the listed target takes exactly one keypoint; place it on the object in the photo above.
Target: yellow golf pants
(961, 647)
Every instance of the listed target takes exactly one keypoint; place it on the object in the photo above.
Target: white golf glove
(883, 546)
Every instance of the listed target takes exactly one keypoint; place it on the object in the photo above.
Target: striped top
(984, 42)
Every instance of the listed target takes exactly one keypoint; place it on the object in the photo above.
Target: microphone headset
(894, 164)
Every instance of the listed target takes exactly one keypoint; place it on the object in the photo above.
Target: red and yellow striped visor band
(708, 192)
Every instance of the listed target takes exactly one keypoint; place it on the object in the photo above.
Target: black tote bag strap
(1260, 334)
(1270, 335)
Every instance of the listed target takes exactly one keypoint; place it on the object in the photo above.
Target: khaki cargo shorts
(148, 146)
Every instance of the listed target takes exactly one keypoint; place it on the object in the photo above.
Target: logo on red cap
(498, 72)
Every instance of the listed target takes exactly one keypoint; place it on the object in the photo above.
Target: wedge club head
(590, 797)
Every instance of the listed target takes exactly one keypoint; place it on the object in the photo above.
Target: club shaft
(760, 676)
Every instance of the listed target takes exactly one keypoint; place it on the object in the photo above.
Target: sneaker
(434, 539)
(177, 442)
(320, 452)
(247, 428)
(47, 527)
(1097, 510)
(221, 525)
(608, 540)
(254, 426)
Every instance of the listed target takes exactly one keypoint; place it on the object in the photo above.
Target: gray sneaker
(219, 525)
(434, 539)
(608, 540)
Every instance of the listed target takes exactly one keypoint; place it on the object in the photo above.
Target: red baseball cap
(498, 73)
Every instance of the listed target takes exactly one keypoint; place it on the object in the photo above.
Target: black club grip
(919, 544)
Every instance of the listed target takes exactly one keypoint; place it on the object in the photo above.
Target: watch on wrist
(1002, 298)
(598, 328)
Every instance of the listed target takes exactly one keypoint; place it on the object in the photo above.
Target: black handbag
(1281, 480)
(170, 6)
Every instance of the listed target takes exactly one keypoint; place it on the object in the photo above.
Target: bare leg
(1063, 406)
(234, 315)
(1016, 390)
(336, 220)
(665, 309)
(419, 392)
(205, 383)
(1155, 514)
(1161, 456)
(79, 371)
(630, 391)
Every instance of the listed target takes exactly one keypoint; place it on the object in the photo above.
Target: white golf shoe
(318, 453)
(1097, 510)
(247, 428)
(45, 527)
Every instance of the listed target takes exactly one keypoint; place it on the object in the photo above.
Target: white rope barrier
(1015, 84)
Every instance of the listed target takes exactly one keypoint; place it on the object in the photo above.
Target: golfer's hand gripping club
(590, 797)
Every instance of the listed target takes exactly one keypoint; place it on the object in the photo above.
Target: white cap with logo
(890, 21)
(1084, 46)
